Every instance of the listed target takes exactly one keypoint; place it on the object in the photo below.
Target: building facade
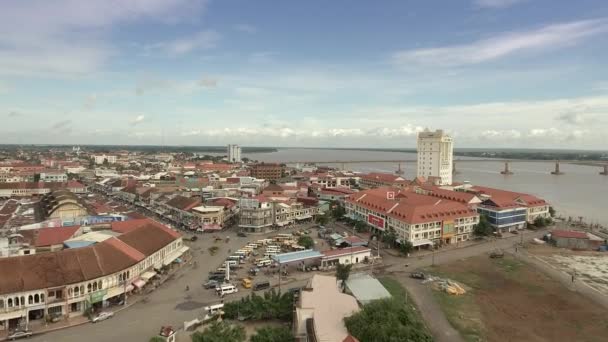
(419, 219)
(99, 159)
(234, 153)
(266, 171)
(435, 155)
(67, 283)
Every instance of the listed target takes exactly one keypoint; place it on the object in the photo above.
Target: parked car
(193, 238)
(211, 284)
(497, 255)
(417, 275)
(241, 234)
(102, 316)
(263, 285)
(20, 334)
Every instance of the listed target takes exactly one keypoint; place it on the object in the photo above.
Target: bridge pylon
(506, 171)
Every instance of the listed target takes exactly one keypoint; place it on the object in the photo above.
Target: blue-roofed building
(305, 256)
(78, 244)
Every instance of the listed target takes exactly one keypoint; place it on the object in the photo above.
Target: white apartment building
(234, 153)
(53, 177)
(435, 155)
(99, 159)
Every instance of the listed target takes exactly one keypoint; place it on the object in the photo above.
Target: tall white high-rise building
(234, 153)
(435, 154)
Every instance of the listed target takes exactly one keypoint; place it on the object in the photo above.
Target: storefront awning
(139, 283)
(281, 224)
(12, 314)
(305, 217)
(422, 242)
(147, 275)
(178, 253)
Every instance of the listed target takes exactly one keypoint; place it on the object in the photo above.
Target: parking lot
(171, 304)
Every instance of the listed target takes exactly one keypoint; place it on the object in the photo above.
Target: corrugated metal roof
(296, 256)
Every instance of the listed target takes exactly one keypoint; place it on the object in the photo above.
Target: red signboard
(375, 221)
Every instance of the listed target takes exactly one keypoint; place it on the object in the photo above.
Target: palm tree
(342, 273)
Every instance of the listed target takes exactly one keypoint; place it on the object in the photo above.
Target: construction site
(507, 299)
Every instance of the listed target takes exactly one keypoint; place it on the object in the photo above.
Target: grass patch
(393, 287)
(463, 314)
(398, 292)
(509, 265)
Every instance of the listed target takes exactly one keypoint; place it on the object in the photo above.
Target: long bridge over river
(505, 171)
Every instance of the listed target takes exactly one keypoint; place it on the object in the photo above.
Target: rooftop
(296, 256)
(366, 288)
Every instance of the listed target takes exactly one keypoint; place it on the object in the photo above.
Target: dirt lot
(590, 267)
(508, 300)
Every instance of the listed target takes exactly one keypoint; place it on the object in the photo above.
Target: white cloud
(138, 119)
(246, 28)
(71, 35)
(199, 41)
(496, 3)
(503, 45)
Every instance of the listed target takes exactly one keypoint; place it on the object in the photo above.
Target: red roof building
(420, 219)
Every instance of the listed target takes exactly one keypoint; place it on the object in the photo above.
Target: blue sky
(503, 73)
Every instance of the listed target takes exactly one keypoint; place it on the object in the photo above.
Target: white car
(102, 317)
(19, 334)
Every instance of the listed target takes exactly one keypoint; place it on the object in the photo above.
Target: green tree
(390, 237)
(322, 219)
(273, 334)
(361, 227)
(342, 273)
(156, 339)
(337, 211)
(271, 305)
(387, 320)
(552, 211)
(306, 241)
(483, 228)
(220, 332)
(245, 160)
(540, 222)
(405, 247)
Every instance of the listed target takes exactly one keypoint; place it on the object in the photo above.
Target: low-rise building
(420, 219)
(377, 179)
(104, 158)
(321, 310)
(62, 204)
(66, 283)
(53, 176)
(508, 210)
(269, 171)
(27, 189)
(345, 256)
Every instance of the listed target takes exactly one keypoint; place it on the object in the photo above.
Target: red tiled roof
(183, 203)
(569, 234)
(126, 249)
(344, 251)
(458, 196)
(54, 236)
(149, 240)
(410, 207)
(509, 199)
(382, 177)
(129, 225)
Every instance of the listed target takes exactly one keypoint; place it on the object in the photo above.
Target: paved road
(168, 305)
(172, 305)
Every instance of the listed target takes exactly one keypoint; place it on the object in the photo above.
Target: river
(580, 191)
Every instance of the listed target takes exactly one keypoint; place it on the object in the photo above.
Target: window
(10, 302)
(99, 285)
(30, 299)
(76, 291)
(94, 286)
(82, 289)
(22, 300)
(88, 287)
(1, 303)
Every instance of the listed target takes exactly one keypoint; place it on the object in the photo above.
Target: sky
(492, 73)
